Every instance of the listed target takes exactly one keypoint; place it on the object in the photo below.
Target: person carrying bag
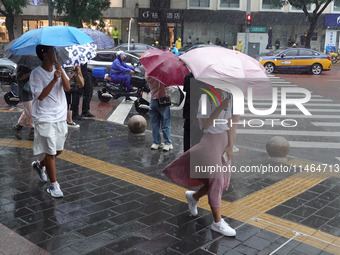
(80, 80)
(72, 96)
(159, 115)
(163, 101)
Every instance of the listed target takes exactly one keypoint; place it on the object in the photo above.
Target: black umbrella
(31, 61)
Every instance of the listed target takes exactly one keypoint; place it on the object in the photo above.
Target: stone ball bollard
(278, 148)
(137, 124)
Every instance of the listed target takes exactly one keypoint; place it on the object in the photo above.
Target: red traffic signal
(248, 19)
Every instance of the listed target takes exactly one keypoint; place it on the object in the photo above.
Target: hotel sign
(150, 15)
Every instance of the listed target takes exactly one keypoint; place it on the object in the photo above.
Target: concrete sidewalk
(117, 201)
(12, 243)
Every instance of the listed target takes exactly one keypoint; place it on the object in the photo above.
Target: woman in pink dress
(195, 167)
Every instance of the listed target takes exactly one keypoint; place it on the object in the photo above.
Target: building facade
(204, 20)
(35, 15)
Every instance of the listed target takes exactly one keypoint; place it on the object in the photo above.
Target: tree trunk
(10, 26)
(312, 27)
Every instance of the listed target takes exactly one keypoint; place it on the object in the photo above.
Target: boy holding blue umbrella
(49, 111)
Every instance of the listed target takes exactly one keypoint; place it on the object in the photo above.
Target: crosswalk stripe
(283, 82)
(306, 104)
(332, 80)
(297, 110)
(326, 124)
(298, 95)
(314, 145)
(120, 113)
(287, 132)
(290, 116)
(283, 85)
(311, 100)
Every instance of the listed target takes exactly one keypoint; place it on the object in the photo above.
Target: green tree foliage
(10, 8)
(312, 15)
(75, 12)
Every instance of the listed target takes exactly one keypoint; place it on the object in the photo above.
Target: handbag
(164, 101)
(80, 81)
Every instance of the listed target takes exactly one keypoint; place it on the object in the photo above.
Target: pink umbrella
(219, 62)
(230, 70)
(164, 67)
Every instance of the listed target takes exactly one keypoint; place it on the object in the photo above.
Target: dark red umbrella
(164, 66)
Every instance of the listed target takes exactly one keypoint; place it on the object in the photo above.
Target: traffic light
(248, 19)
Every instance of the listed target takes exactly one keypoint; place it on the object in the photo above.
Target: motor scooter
(115, 89)
(176, 93)
(12, 97)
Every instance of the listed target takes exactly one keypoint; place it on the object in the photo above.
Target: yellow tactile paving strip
(244, 210)
(9, 111)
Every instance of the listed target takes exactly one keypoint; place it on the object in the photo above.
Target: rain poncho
(118, 70)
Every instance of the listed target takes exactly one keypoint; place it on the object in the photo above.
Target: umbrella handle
(55, 55)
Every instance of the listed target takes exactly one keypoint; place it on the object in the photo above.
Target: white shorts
(49, 137)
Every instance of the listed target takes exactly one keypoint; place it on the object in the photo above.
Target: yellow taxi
(297, 60)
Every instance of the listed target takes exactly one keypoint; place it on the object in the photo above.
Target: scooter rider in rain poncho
(118, 70)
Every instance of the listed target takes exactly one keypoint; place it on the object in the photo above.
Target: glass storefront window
(24, 26)
(37, 2)
(269, 5)
(43, 23)
(229, 3)
(109, 25)
(336, 6)
(3, 30)
(149, 33)
(34, 24)
(296, 9)
(199, 3)
(56, 23)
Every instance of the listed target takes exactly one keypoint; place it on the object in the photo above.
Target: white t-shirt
(220, 127)
(52, 108)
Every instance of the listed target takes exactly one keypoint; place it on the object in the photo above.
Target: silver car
(7, 67)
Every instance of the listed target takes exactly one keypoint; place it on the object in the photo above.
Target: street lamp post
(247, 29)
(50, 12)
(129, 35)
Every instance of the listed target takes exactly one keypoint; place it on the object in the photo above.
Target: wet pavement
(117, 201)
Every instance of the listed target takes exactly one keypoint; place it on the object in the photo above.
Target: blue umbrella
(102, 40)
(58, 36)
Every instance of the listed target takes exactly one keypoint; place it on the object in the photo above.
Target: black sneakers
(88, 115)
(78, 117)
(31, 135)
